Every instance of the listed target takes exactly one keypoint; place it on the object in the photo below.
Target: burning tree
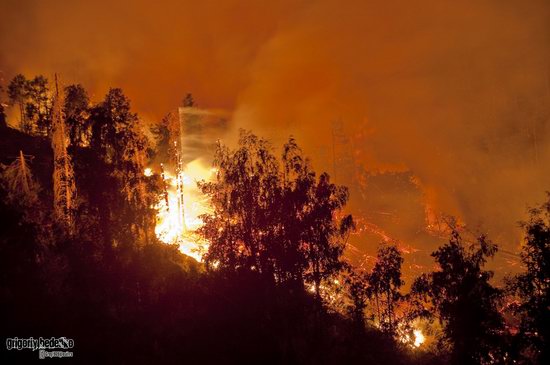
(19, 183)
(22, 192)
(64, 187)
(175, 208)
(279, 221)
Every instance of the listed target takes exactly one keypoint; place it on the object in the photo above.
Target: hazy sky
(453, 95)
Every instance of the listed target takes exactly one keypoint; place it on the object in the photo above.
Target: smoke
(455, 94)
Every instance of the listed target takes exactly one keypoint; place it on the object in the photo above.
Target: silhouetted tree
(18, 94)
(3, 122)
(465, 301)
(533, 286)
(277, 222)
(118, 142)
(162, 134)
(384, 285)
(38, 106)
(77, 114)
(188, 100)
(357, 288)
(32, 98)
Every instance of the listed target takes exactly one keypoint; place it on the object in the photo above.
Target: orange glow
(413, 339)
(179, 218)
(418, 338)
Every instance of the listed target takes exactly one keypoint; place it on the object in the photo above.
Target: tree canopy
(464, 300)
(274, 216)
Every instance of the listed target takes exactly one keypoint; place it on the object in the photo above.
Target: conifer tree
(18, 179)
(38, 107)
(18, 94)
(77, 115)
(119, 143)
(22, 191)
(33, 100)
(64, 187)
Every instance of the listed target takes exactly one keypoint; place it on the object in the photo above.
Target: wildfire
(418, 338)
(180, 208)
(414, 338)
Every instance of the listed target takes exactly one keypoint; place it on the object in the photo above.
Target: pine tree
(22, 192)
(64, 188)
(18, 94)
(38, 107)
(77, 115)
(169, 145)
(18, 178)
(118, 141)
(130, 173)
(33, 99)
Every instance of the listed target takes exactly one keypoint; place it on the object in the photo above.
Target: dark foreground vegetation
(79, 257)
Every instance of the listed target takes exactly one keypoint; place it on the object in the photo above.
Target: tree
(384, 285)
(38, 108)
(18, 94)
(188, 101)
(164, 133)
(22, 192)
(76, 109)
(64, 186)
(357, 283)
(112, 121)
(117, 141)
(18, 181)
(32, 98)
(533, 286)
(3, 123)
(247, 184)
(465, 301)
(277, 222)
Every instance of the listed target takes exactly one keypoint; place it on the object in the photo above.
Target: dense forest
(79, 256)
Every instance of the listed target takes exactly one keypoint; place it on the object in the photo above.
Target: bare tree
(64, 187)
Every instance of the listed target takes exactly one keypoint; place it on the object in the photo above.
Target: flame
(418, 338)
(179, 211)
(414, 338)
